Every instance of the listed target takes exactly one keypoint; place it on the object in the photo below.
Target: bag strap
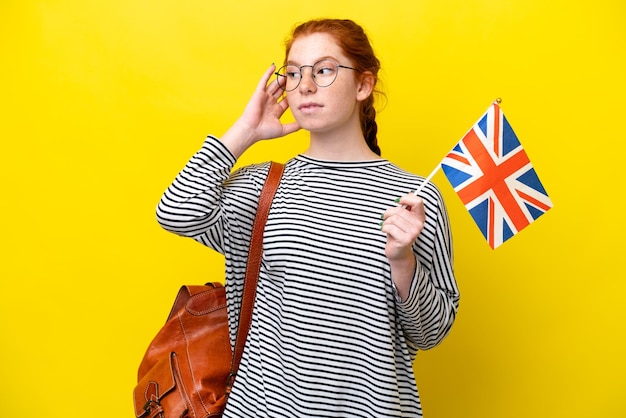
(254, 264)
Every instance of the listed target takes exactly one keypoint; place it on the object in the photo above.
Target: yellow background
(102, 102)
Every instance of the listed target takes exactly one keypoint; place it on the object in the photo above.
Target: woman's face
(323, 109)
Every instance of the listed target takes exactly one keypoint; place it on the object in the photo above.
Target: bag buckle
(154, 408)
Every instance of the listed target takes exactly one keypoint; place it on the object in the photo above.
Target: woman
(344, 301)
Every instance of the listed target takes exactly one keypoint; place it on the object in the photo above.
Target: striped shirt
(329, 335)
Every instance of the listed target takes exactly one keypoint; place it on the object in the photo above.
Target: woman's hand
(261, 117)
(403, 224)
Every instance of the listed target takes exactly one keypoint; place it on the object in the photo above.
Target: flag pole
(426, 180)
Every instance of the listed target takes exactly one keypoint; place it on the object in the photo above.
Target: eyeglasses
(324, 73)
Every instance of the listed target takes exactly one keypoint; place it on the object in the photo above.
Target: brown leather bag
(189, 367)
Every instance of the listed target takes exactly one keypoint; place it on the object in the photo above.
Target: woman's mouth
(309, 107)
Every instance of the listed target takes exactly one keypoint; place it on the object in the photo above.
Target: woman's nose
(307, 82)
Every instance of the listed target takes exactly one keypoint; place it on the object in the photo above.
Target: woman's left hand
(403, 224)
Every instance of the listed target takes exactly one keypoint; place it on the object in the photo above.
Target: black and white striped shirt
(329, 335)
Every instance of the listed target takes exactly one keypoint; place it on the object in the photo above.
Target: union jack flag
(494, 178)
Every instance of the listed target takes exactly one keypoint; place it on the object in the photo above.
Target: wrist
(238, 138)
(402, 273)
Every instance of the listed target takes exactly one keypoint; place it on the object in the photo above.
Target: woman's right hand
(261, 117)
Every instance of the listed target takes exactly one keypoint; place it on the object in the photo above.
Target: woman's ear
(365, 87)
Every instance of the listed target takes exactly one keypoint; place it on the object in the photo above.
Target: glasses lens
(325, 73)
(288, 77)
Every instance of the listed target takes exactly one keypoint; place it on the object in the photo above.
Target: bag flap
(187, 292)
(210, 299)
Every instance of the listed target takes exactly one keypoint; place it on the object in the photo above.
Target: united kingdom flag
(494, 178)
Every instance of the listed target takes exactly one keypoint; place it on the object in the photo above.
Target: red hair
(356, 45)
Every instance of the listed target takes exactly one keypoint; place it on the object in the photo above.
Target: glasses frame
(279, 75)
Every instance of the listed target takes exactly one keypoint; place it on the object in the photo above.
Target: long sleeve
(210, 203)
(191, 204)
(429, 311)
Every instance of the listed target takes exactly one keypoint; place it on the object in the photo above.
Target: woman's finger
(274, 89)
(266, 77)
(411, 200)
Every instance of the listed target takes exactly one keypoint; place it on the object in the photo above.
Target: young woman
(357, 271)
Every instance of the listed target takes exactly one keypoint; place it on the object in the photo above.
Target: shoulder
(428, 189)
(252, 176)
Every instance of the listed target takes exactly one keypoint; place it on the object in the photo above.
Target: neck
(338, 148)
(345, 143)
